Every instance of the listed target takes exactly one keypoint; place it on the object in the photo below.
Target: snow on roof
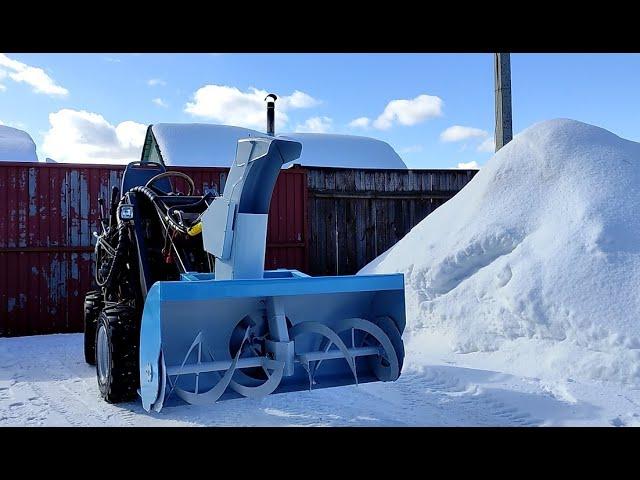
(199, 144)
(16, 145)
(535, 264)
(349, 151)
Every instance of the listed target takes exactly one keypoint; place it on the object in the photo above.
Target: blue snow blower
(186, 309)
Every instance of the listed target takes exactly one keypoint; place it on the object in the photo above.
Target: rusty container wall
(287, 237)
(48, 213)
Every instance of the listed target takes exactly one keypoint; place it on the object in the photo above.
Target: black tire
(93, 303)
(117, 354)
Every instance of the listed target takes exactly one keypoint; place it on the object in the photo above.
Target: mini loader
(186, 310)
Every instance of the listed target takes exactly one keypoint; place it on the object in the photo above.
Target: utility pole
(504, 132)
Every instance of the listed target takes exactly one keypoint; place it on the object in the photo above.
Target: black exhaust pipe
(271, 112)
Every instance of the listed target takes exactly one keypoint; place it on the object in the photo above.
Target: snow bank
(200, 144)
(536, 262)
(16, 145)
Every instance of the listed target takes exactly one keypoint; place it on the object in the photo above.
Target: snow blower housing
(186, 309)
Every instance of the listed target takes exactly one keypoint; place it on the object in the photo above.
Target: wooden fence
(355, 215)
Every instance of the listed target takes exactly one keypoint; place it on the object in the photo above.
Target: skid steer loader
(186, 310)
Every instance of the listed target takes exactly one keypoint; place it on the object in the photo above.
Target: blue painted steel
(280, 273)
(150, 339)
(234, 227)
(176, 312)
(195, 288)
(246, 332)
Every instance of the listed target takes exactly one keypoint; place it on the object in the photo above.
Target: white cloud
(409, 112)
(411, 149)
(3, 74)
(360, 122)
(34, 76)
(458, 133)
(112, 60)
(228, 105)
(297, 99)
(78, 136)
(131, 134)
(161, 103)
(154, 82)
(469, 165)
(315, 125)
(488, 145)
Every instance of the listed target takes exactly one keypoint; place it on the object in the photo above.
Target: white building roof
(199, 144)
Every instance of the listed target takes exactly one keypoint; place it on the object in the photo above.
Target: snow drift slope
(16, 145)
(537, 259)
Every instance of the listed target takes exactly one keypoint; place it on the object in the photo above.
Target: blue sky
(95, 106)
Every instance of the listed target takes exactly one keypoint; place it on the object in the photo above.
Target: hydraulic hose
(121, 248)
(166, 214)
(120, 253)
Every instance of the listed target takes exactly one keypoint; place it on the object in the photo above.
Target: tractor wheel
(117, 360)
(92, 305)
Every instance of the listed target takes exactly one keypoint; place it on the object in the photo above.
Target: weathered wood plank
(342, 237)
(357, 214)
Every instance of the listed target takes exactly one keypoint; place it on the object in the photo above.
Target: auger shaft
(333, 354)
(217, 366)
(223, 365)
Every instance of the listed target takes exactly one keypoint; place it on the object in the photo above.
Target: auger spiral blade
(211, 340)
(381, 347)
(232, 378)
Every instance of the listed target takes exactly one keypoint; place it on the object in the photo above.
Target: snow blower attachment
(187, 310)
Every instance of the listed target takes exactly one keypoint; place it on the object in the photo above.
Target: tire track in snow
(77, 390)
(436, 397)
(65, 393)
(56, 387)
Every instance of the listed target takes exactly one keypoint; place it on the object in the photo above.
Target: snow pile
(16, 145)
(207, 145)
(535, 264)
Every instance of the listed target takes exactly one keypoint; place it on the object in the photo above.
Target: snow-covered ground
(44, 381)
(523, 308)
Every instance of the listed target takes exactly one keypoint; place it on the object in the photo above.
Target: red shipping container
(48, 213)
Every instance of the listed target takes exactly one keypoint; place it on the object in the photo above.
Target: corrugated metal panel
(48, 213)
(286, 232)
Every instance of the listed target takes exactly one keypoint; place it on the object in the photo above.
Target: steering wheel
(184, 176)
